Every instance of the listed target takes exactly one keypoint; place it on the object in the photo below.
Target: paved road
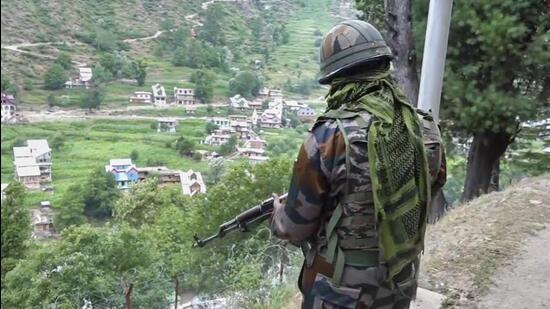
(525, 284)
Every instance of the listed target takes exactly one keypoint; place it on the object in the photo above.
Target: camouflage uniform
(318, 185)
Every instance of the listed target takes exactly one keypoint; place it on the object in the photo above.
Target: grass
(464, 249)
(90, 144)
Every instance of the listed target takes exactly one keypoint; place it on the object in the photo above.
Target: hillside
(471, 247)
(283, 37)
(57, 20)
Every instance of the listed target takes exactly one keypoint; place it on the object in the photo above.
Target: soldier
(362, 182)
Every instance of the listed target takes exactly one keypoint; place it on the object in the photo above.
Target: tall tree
(497, 76)
(71, 208)
(204, 89)
(93, 99)
(15, 227)
(394, 20)
(55, 77)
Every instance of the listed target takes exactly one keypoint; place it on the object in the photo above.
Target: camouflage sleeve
(309, 190)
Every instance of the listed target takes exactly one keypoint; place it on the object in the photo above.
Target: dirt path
(526, 282)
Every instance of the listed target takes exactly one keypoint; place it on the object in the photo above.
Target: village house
(221, 122)
(276, 95)
(253, 150)
(263, 94)
(192, 183)
(142, 97)
(167, 125)
(256, 104)
(159, 94)
(8, 108)
(124, 172)
(238, 102)
(184, 96)
(33, 163)
(241, 129)
(306, 114)
(84, 79)
(162, 173)
(217, 138)
(42, 222)
(293, 106)
(272, 117)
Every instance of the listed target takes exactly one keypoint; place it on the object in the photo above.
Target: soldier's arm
(299, 218)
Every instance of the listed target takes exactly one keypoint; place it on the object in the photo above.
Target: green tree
(58, 141)
(102, 75)
(246, 83)
(71, 208)
(52, 101)
(180, 57)
(210, 127)
(7, 85)
(93, 99)
(113, 62)
(497, 76)
(111, 267)
(100, 194)
(55, 77)
(105, 40)
(64, 60)
(184, 146)
(204, 89)
(140, 71)
(15, 227)
(212, 30)
(134, 155)
(229, 147)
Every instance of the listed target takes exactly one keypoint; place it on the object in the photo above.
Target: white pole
(433, 61)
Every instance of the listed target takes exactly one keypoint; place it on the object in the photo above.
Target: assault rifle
(242, 222)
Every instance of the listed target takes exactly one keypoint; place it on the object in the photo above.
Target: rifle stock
(242, 222)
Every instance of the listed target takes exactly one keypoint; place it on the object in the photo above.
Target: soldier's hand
(276, 201)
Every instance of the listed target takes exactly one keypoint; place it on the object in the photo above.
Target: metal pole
(433, 61)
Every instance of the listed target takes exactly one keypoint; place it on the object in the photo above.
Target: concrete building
(184, 96)
(33, 163)
(167, 125)
(42, 222)
(192, 183)
(124, 171)
(9, 108)
(84, 79)
(142, 97)
(306, 114)
(159, 94)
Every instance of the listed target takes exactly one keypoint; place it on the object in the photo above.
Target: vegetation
(15, 227)
(55, 77)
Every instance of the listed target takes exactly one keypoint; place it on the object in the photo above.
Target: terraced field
(299, 58)
(90, 144)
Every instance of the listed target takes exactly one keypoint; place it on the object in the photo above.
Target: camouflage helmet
(350, 44)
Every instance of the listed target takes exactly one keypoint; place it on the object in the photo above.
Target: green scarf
(397, 163)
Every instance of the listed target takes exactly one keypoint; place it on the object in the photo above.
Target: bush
(55, 77)
(197, 156)
(134, 155)
(28, 85)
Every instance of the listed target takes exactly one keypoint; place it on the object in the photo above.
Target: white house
(33, 163)
(272, 117)
(184, 96)
(253, 150)
(306, 113)
(84, 79)
(192, 183)
(159, 94)
(8, 108)
(239, 102)
(221, 122)
(143, 97)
